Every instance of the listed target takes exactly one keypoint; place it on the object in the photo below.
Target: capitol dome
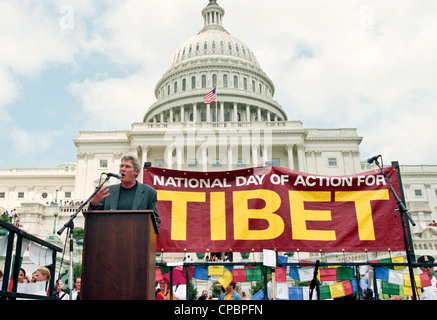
(214, 59)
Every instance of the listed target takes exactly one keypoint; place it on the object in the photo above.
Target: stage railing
(19, 234)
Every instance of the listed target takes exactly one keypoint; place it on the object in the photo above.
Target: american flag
(210, 97)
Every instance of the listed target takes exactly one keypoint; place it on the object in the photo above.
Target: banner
(277, 209)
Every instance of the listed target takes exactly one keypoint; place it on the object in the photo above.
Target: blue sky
(66, 67)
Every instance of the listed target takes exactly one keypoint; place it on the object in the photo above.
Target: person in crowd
(22, 276)
(164, 290)
(230, 293)
(426, 265)
(75, 293)
(42, 274)
(204, 295)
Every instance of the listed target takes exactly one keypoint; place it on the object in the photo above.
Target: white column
(289, 148)
(208, 113)
(171, 115)
(301, 158)
(247, 113)
(235, 113)
(182, 114)
(222, 111)
(194, 112)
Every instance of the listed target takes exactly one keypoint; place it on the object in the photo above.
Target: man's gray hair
(132, 156)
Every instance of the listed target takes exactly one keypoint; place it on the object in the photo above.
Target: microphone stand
(404, 216)
(315, 282)
(70, 225)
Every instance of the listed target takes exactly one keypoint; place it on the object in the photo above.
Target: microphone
(372, 159)
(115, 175)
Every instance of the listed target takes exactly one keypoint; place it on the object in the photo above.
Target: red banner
(276, 208)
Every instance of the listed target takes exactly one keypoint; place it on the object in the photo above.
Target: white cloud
(114, 104)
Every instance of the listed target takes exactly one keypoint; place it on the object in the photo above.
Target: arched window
(184, 84)
(175, 87)
(245, 83)
(193, 83)
(203, 81)
(225, 81)
(214, 80)
(235, 82)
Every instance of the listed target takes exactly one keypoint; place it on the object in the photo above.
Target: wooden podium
(119, 255)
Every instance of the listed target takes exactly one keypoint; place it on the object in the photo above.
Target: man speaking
(130, 194)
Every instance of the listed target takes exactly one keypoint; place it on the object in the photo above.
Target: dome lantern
(213, 16)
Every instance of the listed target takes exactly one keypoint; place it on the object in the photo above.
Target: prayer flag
(226, 279)
(426, 282)
(201, 273)
(281, 274)
(165, 269)
(282, 291)
(328, 274)
(215, 270)
(345, 273)
(294, 272)
(381, 273)
(348, 288)
(398, 259)
(254, 274)
(259, 295)
(306, 274)
(295, 293)
(325, 292)
(337, 290)
(388, 288)
(282, 259)
(239, 275)
(354, 283)
(396, 277)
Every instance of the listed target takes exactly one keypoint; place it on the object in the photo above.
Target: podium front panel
(119, 256)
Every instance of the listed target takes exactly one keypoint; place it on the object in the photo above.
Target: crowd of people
(231, 292)
(42, 274)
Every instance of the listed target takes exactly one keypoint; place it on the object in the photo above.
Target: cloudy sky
(70, 66)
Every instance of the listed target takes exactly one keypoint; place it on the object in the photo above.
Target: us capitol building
(244, 127)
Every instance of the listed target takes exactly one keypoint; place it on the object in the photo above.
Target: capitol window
(103, 164)
(332, 162)
(193, 83)
(418, 193)
(225, 81)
